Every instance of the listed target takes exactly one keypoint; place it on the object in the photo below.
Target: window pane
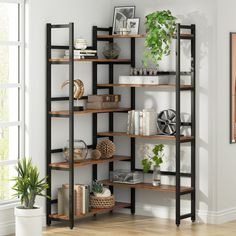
(9, 104)
(9, 69)
(6, 174)
(9, 143)
(9, 21)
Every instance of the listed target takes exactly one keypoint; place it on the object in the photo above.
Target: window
(11, 92)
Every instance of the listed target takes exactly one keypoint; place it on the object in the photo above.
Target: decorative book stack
(106, 101)
(81, 196)
(142, 122)
(82, 54)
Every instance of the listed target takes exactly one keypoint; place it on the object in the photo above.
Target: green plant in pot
(28, 185)
(154, 160)
(160, 30)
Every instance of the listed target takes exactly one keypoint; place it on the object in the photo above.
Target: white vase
(28, 221)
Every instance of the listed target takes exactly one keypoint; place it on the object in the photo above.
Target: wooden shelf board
(160, 86)
(148, 186)
(89, 111)
(160, 137)
(89, 60)
(107, 36)
(117, 206)
(65, 165)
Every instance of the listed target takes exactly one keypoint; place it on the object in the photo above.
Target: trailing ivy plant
(160, 29)
(156, 159)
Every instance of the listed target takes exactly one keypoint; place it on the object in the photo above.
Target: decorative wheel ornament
(166, 122)
(78, 88)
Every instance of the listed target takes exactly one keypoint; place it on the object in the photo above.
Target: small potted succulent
(155, 160)
(160, 30)
(28, 185)
(101, 197)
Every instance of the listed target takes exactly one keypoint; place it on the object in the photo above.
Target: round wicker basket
(102, 202)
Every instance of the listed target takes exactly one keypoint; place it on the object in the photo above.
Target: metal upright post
(193, 120)
(111, 115)
(48, 120)
(94, 84)
(132, 98)
(178, 122)
(71, 125)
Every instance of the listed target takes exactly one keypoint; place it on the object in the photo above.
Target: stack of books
(105, 101)
(142, 122)
(82, 54)
(81, 199)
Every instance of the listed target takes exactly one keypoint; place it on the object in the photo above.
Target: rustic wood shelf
(65, 165)
(107, 36)
(158, 86)
(88, 111)
(159, 137)
(90, 60)
(149, 186)
(118, 205)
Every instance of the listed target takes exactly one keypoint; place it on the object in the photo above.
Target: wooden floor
(122, 225)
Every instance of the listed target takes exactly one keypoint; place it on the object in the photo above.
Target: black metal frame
(178, 123)
(95, 136)
(49, 152)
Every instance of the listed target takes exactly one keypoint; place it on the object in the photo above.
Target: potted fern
(160, 30)
(28, 185)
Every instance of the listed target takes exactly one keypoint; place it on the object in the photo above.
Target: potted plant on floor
(160, 30)
(155, 160)
(28, 185)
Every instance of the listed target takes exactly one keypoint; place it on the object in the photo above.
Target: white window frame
(21, 85)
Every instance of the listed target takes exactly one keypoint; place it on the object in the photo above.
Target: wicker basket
(102, 202)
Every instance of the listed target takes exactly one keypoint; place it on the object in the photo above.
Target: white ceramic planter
(28, 222)
(143, 80)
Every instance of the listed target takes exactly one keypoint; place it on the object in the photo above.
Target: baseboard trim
(208, 217)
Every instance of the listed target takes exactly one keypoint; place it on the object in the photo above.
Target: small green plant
(27, 183)
(97, 187)
(160, 29)
(156, 159)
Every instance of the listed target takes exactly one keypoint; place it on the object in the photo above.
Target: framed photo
(120, 17)
(133, 25)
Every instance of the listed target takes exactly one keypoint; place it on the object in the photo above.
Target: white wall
(226, 153)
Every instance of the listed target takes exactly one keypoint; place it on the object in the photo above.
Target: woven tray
(102, 202)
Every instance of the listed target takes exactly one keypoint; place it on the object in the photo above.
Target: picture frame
(120, 16)
(133, 25)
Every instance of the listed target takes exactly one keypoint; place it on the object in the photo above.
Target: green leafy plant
(160, 29)
(27, 183)
(156, 159)
(97, 187)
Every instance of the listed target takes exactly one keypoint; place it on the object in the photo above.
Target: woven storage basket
(102, 202)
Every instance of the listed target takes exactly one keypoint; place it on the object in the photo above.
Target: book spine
(83, 200)
(141, 123)
(87, 192)
(132, 122)
(60, 202)
(136, 122)
(129, 122)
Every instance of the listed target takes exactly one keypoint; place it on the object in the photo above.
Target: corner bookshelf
(71, 114)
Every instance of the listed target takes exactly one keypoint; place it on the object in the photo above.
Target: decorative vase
(28, 221)
(80, 150)
(156, 176)
(111, 51)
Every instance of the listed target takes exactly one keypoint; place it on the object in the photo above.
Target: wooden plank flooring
(128, 225)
